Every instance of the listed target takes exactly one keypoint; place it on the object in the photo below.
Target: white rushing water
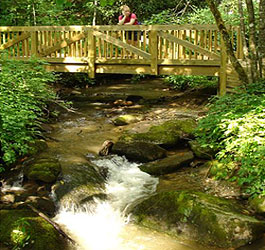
(16, 185)
(101, 228)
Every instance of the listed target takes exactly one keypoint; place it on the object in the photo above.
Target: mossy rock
(37, 146)
(126, 119)
(24, 229)
(201, 152)
(258, 204)
(213, 221)
(46, 170)
(79, 183)
(139, 151)
(167, 135)
(169, 164)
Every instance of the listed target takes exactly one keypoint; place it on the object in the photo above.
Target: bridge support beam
(153, 51)
(34, 43)
(91, 54)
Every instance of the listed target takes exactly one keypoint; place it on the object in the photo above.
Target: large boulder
(210, 220)
(79, 184)
(169, 164)
(23, 229)
(43, 169)
(167, 135)
(138, 151)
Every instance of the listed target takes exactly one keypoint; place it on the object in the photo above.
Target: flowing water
(106, 225)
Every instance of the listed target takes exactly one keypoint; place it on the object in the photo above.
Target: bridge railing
(174, 42)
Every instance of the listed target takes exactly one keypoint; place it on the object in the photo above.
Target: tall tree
(252, 40)
(227, 41)
(261, 42)
(243, 34)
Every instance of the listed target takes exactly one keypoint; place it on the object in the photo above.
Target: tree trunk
(95, 13)
(34, 13)
(227, 41)
(252, 39)
(243, 34)
(261, 46)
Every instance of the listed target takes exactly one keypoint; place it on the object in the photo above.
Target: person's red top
(128, 18)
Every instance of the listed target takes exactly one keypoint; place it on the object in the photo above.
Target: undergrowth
(235, 128)
(24, 94)
(180, 82)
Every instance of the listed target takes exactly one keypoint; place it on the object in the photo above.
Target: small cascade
(99, 227)
(16, 184)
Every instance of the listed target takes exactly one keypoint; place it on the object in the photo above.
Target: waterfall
(100, 227)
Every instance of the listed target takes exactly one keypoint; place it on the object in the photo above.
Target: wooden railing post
(153, 43)
(34, 43)
(91, 53)
(223, 68)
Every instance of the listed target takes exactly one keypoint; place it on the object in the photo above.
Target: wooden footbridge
(153, 49)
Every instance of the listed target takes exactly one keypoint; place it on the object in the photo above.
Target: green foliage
(164, 17)
(137, 78)
(23, 97)
(20, 235)
(187, 82)
(235, 127)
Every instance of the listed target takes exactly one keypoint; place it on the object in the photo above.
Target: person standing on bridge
(128, 18)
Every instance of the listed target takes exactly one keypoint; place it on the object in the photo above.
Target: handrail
(149, 49)
(110, 27)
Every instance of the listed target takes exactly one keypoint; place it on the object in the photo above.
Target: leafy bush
(23, 97)
(235, 127)
(188, 82)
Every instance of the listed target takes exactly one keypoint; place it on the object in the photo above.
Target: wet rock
(7, 198)
(25, 228)
(121, 102)
(37, 147)
(212, 220)
(126, 119)
(201, 152)
(169, 164)
(105, 148)
(77, 183)
(44, 169)
(258, 204)
(43, 204)
(166, 135)
(139, 151)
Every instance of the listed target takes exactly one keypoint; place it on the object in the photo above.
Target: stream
(78, 137)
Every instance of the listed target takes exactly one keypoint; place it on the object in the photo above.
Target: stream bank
(77, 137)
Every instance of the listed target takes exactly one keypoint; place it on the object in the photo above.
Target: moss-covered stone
(258, 204)
(169, 164)
(24, 229)
(45, 170)
(213, 220)
(168, 134)
(126, 119)
(37, 147)
(79, 183)
(201, 152)
(139, 151)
